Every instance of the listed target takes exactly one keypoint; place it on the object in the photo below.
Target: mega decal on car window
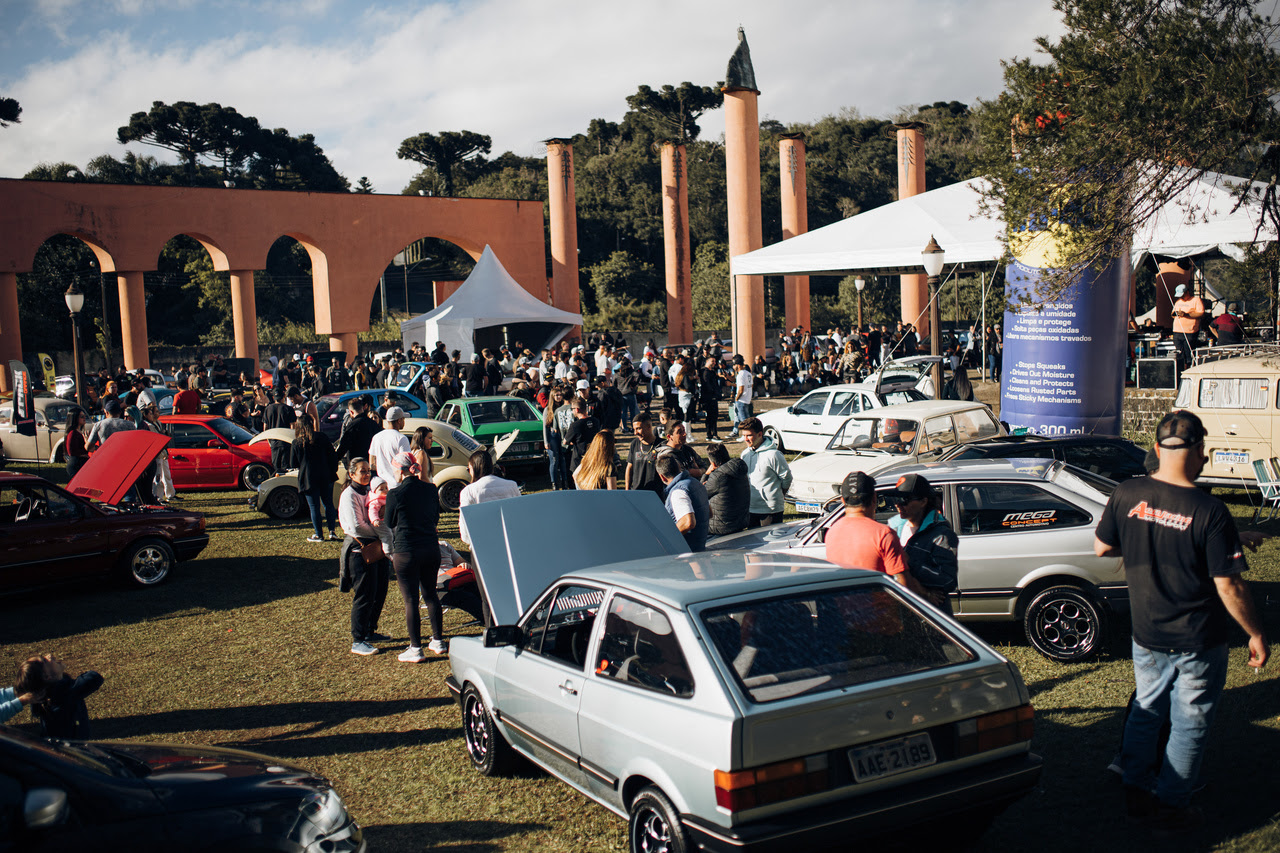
(1013, 507)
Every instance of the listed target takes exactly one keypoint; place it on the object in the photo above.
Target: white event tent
(490, 299)
(888, 239)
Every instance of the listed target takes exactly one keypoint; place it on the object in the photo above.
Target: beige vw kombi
(1235, 392)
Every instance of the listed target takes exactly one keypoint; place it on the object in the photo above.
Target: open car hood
(275, 434)
(608, 527)
(116, 465)
(503, 444)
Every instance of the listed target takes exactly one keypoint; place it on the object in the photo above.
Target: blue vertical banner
(1063, 367)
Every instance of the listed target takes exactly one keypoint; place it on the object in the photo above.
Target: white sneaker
(437, 647)
(413, 654)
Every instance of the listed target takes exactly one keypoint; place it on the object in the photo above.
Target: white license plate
(1230, 457)
(521, 447)
(891, 757)
(811, 508)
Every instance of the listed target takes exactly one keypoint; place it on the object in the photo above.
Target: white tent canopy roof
(889, 238)
(489, 297)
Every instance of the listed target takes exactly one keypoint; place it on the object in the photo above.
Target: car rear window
(780, 648)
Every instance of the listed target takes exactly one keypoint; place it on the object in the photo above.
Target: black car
(82, 795)
(1111, 456)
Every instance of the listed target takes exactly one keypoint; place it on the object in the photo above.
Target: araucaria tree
(1138, 100)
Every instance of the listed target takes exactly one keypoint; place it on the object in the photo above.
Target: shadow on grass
(1076, 782)
(341, 744)
(317, 715)
(456, 835)
(216, 584)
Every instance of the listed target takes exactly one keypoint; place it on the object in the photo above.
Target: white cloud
(518, 71)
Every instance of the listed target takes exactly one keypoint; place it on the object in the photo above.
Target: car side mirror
(213, 442)
(791, 410)
(44, 807)
(503, 635)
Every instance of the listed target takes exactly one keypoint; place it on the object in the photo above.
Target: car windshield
(906, 395)
(887, 435)
(231, 431)
(780, 648)
(512, 410)
(325, 403)
(405, 375)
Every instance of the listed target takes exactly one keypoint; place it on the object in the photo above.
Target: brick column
(133, 320)
(915, 288)
(1170, 275)
(347, 342)
(675, 236)
(244, 315)
(563, 226)
(742, 190)
(10, 330)
(795, 220)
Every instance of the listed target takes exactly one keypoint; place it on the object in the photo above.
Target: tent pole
(982, 354)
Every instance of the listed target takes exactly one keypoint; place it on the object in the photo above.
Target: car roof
(499, 397)
(971, 470)
(19, 477)
(686, 579)
(192, 418)
(1234, 366)
(922, 409)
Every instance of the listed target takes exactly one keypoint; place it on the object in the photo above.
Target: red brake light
(992, 731)
(745, 789)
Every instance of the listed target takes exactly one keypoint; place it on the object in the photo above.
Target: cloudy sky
(362, 76)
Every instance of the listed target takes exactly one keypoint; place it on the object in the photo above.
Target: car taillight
(201, 527)
(992, 731)
(538, 445)
(746, 789)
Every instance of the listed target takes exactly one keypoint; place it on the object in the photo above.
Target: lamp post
(932, 258)
(858, 284)
(75, 301)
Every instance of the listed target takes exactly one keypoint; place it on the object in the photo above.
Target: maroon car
(49, 534)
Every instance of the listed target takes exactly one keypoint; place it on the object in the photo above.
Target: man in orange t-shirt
(858, 541)
(1187, 312)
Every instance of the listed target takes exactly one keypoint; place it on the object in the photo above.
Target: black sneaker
(1170, 822)
(1140, 805)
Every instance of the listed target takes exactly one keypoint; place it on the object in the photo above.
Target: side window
(6, 414)
(455, 416)
(40, 421)
(975, 424)
(640, 648)
(1221, 393)
(560, 625)
(939, 433)
(846, 403)
(188, 436)
(813, 404)
(1010, 507)
(56, 504)
(405, 403)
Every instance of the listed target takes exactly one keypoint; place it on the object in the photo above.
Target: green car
(487, 419)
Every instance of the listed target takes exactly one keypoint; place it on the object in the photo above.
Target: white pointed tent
(488, 300)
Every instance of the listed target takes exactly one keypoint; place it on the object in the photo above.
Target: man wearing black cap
(858, 541)
(927, 540)
(1183, 560)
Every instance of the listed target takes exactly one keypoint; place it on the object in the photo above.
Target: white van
(1236, 392)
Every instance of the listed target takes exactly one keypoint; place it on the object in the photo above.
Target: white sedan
(885, 437)
(807, 425)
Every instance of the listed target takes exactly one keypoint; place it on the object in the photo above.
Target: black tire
(147, 562)
(776, 437)
(655, 826)
(486, 747)
(1065, 623)
(451, 495)
(254, 475)
(285, 502)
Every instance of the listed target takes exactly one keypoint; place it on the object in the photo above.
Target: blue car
(332, 408)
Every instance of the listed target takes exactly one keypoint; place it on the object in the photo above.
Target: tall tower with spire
(742, 172)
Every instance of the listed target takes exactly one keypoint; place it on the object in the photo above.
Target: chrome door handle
(567, 687)
(1229, 431)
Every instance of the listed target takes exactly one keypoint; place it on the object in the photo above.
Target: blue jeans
(556, 467)
(331, 514)
(629, 410)
(743, 410)
(1183, 688)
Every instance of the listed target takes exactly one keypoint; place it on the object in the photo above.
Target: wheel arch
(644, 773)
(1049, 576)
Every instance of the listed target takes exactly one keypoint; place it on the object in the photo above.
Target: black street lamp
(75, 301)
(932, 258)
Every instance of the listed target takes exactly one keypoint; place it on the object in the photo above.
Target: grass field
(247, 646)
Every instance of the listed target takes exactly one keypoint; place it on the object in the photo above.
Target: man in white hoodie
(768, 473)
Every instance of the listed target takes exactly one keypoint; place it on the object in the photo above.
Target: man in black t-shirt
(1183, 560)
(279, 415)
(643, 453)
(473, 377)
(580, 433)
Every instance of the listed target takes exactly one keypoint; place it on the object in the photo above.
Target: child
(59, 699)
(378, 501)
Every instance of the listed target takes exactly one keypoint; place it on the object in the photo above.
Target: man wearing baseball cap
(1188, 310)
(386, 444)
(858, 541)
(928, 542)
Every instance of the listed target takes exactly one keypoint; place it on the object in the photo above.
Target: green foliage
(709, 286)
(60, 171)
(1251, 281)
(672, 112)
(622, 278)
(1137, 100)
(363, 186)
(10, 111)
(454, 155)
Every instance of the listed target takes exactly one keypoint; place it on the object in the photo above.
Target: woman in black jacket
(317, 465)
(413, 514)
